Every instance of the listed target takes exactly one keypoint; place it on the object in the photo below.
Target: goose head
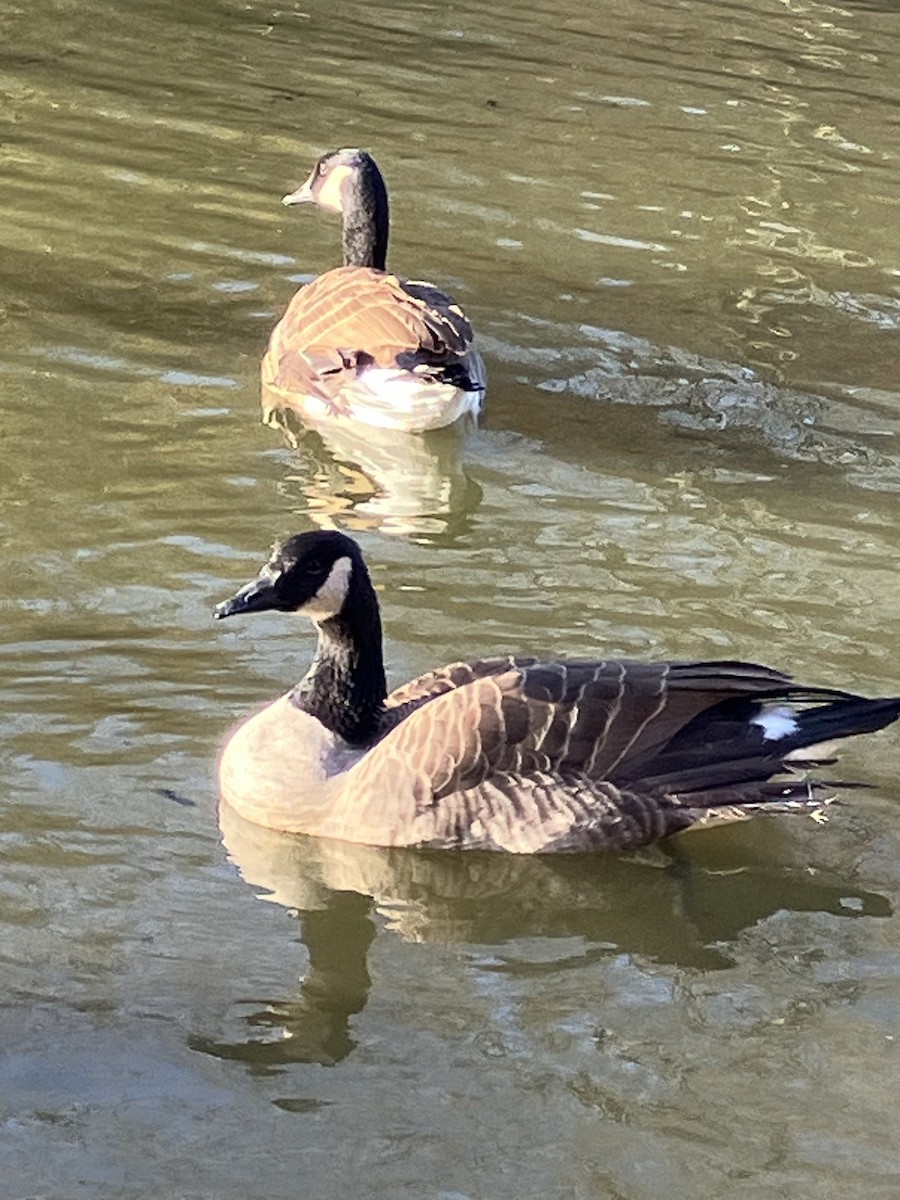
(322, 575)
(316, 574)
(349, 183)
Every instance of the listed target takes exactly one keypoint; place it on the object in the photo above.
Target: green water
(674, 227)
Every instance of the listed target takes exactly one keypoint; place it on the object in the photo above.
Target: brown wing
(532, 756)
(355, 316)
(608, 720)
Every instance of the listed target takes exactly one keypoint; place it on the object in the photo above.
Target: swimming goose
(359, 343)
(515, 754)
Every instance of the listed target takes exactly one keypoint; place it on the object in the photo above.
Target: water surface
(674, 226)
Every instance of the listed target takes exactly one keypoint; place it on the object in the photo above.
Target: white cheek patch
(329, 193)
(776, 722)
(329, 599)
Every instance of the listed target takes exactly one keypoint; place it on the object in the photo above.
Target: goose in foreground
(359, 343)
(515, 754)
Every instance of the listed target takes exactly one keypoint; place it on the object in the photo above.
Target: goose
(523, 755)
(359, 343)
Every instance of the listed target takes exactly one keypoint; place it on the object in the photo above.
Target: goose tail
(822, 726)
(768, 776)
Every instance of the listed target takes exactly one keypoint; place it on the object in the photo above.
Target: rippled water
(675, 228)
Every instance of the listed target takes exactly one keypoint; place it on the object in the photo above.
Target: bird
(359, 343)
(518, 754)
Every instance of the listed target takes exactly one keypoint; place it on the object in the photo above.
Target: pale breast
(281, 768)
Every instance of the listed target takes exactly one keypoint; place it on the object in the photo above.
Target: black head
(311, 573)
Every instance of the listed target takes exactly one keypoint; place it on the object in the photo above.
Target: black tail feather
(842, 718)
(728, 756)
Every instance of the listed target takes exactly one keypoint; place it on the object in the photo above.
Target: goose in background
(361, 344)
(514, 754)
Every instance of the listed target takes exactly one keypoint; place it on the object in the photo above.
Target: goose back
(368, 346)
(536, 756)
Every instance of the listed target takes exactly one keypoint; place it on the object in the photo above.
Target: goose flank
(515, 754)
(361, 344)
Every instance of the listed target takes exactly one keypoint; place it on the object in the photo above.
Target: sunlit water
(675, 228)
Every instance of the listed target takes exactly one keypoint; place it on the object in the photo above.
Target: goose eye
(313, 567)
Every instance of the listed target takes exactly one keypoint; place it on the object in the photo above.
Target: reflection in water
(500, 901)
(357, 477)
(314, 1026)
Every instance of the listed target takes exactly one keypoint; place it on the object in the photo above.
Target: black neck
(345, 687)
(366, 221)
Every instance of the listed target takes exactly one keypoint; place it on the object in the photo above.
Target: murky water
(675, 227)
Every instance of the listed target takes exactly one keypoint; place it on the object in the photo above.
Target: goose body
(359, 343)
(513, 754)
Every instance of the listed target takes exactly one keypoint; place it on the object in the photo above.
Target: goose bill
(258, 595)
(303, 195)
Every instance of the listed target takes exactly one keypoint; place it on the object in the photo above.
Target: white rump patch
(776, 722)
(393, 398)
(329, 599)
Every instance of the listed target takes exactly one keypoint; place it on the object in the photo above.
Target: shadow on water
(664, 907)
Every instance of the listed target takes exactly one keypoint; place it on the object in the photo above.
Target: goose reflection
(358, 478)
(314, 1026)
(669, 907)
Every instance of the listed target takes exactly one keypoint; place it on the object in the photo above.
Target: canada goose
(359, 343)
(515, 754)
